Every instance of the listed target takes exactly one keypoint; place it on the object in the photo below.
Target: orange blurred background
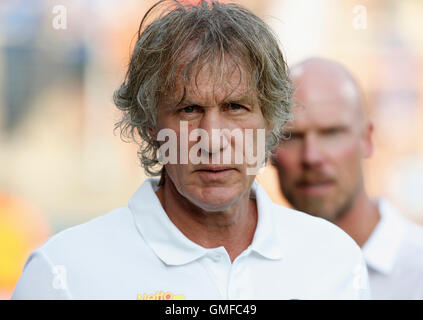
(61, 164)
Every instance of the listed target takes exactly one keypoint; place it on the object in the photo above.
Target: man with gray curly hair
(206, 97)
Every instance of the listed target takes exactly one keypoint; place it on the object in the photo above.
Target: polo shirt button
(216, 257)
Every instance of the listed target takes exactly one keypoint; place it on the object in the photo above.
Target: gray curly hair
(216, 29)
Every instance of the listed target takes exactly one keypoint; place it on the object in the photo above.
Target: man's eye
(332, 131)
(294, 136)
(188, 109)
(235, 106)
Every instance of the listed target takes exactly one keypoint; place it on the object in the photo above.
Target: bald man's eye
(333, 131)
(292, 138)
(295, 136)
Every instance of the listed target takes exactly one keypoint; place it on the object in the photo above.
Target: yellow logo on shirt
(160, 295)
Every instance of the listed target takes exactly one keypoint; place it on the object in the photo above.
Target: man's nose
(214, 124)
(312, 151)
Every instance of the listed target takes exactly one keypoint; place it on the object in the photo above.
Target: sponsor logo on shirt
(160, 295)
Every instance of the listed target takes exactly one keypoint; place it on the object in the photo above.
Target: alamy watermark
(59, 277)
(60, 21)
(360, 17)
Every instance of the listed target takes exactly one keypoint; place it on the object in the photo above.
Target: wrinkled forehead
(211, 77)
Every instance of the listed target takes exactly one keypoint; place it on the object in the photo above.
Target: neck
(232, 228)
(361, 219)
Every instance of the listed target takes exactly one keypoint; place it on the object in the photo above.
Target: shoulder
(408, 267)
(331, 258)
(414, 234)
(95, 234)
(79, 253)
(307, 226)
(408, 233)
(312, 235)
(305, 229)
(411, 250)
(316, 235)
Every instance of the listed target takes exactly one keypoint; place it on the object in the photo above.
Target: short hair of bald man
(320, 172)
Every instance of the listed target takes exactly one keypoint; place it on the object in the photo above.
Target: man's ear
(368, 140)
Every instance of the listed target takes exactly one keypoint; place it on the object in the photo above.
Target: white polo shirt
(394, 256)
(136, 252)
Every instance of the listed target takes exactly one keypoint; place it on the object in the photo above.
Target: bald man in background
(320, 172)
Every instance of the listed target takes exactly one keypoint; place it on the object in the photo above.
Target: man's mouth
(315, 188)
(215, 172)
(214, 168)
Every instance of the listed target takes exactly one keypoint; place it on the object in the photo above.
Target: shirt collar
(267, 240)
(174, 248)
(381, 249)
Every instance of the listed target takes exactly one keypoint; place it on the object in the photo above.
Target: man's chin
(210, 202)
(318, 209)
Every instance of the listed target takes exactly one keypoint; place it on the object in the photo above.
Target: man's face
(320, 165)
(211, 103)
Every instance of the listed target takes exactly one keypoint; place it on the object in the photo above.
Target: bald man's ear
(368, 139)
(269, 128)
(272, 158)
(153, 133)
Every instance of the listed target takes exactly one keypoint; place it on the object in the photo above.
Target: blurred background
(60, 61)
